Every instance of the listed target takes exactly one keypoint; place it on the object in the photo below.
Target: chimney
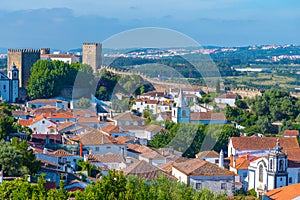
(123, 152)
(80, 149)
(221, 159)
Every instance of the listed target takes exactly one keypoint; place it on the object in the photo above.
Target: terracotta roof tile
(208, 154)
(244, 143)
(19, 113)
(199, 167)
(95, 137)
(25, 122)
(291, 133)
(283, 193)
(106, 158)
(61, 153)
(293, 157)
(207, 116)
(139, 148)
(167, 167)
(143, 169)
(128, 116)
(64, 125)
(123, 139)
(47, 101)
(228, 96)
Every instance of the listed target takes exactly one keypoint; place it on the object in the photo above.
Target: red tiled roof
(128, 116)
(208, 154)
(106, 158)
(25, 122)
(147, 101)
(207, 116)
(61, 152)
(244, 143)
(291, 133)
(109, 129)
(47, 101)
(58, 56)
(95, 137)
(293, 157)
(199, 167)
(143, 169)
(123, 139)
(19, 113)
(139, 148)
(283, 193)
(228, 96)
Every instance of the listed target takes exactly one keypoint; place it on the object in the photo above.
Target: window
(290, 179)
(244, 174)
(97, 149)
(183, 113)
(280, 165)
(271, 164)
(261, 173)
(198, 185)
(298, 175)
(43, 122)
(280, 179)
(223, 186)
(217, 161)
(107, 147)
(4, 87)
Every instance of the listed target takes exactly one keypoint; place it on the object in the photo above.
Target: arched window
(271, 164)
(261, 173)
(183, 113)
(280, 165)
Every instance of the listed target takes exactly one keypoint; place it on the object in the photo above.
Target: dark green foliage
(10, 159)
(30, 164)
(191, 138)
(48, 78)
(276, 105)
(112, 186)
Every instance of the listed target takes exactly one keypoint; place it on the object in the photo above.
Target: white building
(9, 85)
(67, 58)
(201, 174)
(227, 99)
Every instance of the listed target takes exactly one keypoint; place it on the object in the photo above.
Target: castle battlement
(24, 50)
(92, 43)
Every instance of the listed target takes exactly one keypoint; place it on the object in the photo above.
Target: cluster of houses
(62, 136)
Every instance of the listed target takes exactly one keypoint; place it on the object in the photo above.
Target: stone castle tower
(92, 55)
(23, 59)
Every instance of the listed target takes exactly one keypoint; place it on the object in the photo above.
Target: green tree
(10, 159)
(29, 162)
(83, 103)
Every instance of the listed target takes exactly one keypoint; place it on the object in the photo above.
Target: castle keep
(23, 59)
(92, 55)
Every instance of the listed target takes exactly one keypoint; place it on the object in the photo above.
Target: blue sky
(65, 24)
